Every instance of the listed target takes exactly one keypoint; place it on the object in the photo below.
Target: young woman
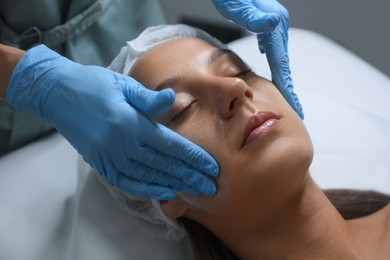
(267, 205)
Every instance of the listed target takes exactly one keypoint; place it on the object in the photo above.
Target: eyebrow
(216, 54)
(213, 57)
(168, 83)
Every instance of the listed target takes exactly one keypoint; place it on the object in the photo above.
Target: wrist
(9, 57)
(32, 80)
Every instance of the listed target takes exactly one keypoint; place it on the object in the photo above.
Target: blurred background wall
(361, 26)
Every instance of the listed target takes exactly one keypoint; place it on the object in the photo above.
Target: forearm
(9, 57)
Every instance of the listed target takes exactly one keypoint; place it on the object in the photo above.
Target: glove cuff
(26, 90)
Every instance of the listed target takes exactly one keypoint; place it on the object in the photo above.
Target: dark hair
(351, 204)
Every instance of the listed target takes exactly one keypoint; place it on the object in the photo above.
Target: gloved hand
(270, 20)
(101, 113)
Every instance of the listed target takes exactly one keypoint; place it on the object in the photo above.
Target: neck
(303, 226)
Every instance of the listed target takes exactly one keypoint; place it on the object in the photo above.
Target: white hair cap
(148, 212)
(153, 36)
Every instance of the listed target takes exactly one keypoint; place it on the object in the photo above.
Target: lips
(259, 125)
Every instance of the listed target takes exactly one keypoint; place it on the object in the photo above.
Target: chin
(295, 156)
(284, 160)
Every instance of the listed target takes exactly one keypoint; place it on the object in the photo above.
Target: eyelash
(241, 73)
(185, 109)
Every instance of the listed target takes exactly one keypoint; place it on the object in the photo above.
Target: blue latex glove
(94, 109)
(270, 20)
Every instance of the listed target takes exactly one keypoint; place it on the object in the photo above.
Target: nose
(233, 92)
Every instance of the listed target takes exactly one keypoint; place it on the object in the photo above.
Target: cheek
(265, 94)
(203, 129)
(285, 160)
(198, 130)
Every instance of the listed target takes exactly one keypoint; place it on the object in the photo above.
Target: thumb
(148, 101)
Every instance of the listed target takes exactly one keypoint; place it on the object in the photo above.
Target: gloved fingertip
(160, 102)
(165, 195)
(207, 164)
(209, 188)
(264, 23)
(300, 113)
(273, 21)
(167, 96)
(262, 49)
(298, 107)
(214, 171)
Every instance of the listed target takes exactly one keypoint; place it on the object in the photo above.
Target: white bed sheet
(49, 211)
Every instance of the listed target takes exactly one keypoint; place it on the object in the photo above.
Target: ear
(174, 208)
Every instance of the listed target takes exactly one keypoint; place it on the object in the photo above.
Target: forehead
(178, 47)
(170, 56)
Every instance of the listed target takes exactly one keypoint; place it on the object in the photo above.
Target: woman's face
(241, 119)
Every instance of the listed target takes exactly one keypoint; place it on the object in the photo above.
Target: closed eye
(182, 112)
(242, 73)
